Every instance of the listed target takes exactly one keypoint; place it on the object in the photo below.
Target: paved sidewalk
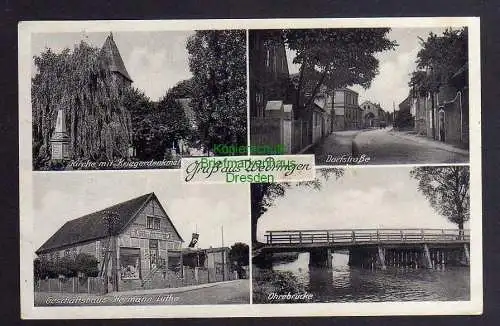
(428, 141)
(336, 144)
(172, 290)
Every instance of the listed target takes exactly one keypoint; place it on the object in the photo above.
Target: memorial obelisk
(60, 139)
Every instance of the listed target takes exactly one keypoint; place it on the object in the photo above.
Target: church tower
(116, 65)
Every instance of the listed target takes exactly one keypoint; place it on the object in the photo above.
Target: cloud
(391, 84)
(157, 70)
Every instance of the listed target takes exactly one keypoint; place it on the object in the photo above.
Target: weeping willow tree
(91, 95)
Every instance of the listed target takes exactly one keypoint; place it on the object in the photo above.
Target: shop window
(130, 263)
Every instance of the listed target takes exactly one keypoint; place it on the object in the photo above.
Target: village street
(386, 146)
(230, 292)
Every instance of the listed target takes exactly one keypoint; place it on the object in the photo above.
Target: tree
(239, 257)
(447, 189)
(140, 108)
(217, 60)
(86, 264)
(183, 89)
(337, 57)
(443, 56)
(81, 83)
(69, 266)
(262, 195)
(160, 127)
(173, 119)
(239, 254)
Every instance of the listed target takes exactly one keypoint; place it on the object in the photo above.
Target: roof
(93, 226)
(110, 49)
(345, 89)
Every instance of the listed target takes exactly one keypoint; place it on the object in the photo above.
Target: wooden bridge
(375, 247)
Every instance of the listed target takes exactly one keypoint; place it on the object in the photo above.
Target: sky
(395, 66)
(60, 197)
(155, 61)
(371, 197)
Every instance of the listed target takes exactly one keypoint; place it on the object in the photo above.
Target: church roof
(116, 62)
(93, 226)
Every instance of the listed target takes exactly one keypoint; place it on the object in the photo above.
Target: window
(153, 223)
(130, 263)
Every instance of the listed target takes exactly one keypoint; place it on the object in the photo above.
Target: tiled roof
(93, 226)
(116, 62)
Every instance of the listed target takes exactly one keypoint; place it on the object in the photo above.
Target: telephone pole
(223, 254)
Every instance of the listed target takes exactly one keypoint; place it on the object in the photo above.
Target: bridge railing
(351, 236)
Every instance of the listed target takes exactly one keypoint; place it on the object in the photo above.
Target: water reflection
(343, 283)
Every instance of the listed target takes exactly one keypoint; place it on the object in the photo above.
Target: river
(350, 284)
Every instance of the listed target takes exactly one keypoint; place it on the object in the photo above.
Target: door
(153, 253)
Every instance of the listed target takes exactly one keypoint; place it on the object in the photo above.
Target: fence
(71, 285)
(300, 135)
(265, 131)
(191, 276)
(366, 236)
(294, 135)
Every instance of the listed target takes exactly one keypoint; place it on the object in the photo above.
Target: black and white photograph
(362, 95)
(138, 239)
(250, 168)
(135, 100)
(363, 235)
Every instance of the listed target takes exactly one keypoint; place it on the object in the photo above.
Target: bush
(278, 282)
(67, 266)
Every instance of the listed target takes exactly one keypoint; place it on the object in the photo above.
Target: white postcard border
(28, 311)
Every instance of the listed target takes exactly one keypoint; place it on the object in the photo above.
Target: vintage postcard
(233, 168)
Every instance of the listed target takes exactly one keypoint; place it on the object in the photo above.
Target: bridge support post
(320, 257)
(427, 257)
(466, 254)
(381, 258)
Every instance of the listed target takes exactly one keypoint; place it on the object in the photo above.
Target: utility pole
(111, 218)
(393, 114)
(223, 254)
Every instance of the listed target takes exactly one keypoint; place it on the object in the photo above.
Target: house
(348, 114)
(444, 115)
(373, 116)
(277, 114)
(404, 117)
(420, 108)
(452, 104)
(269, 76)
(133, 241)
